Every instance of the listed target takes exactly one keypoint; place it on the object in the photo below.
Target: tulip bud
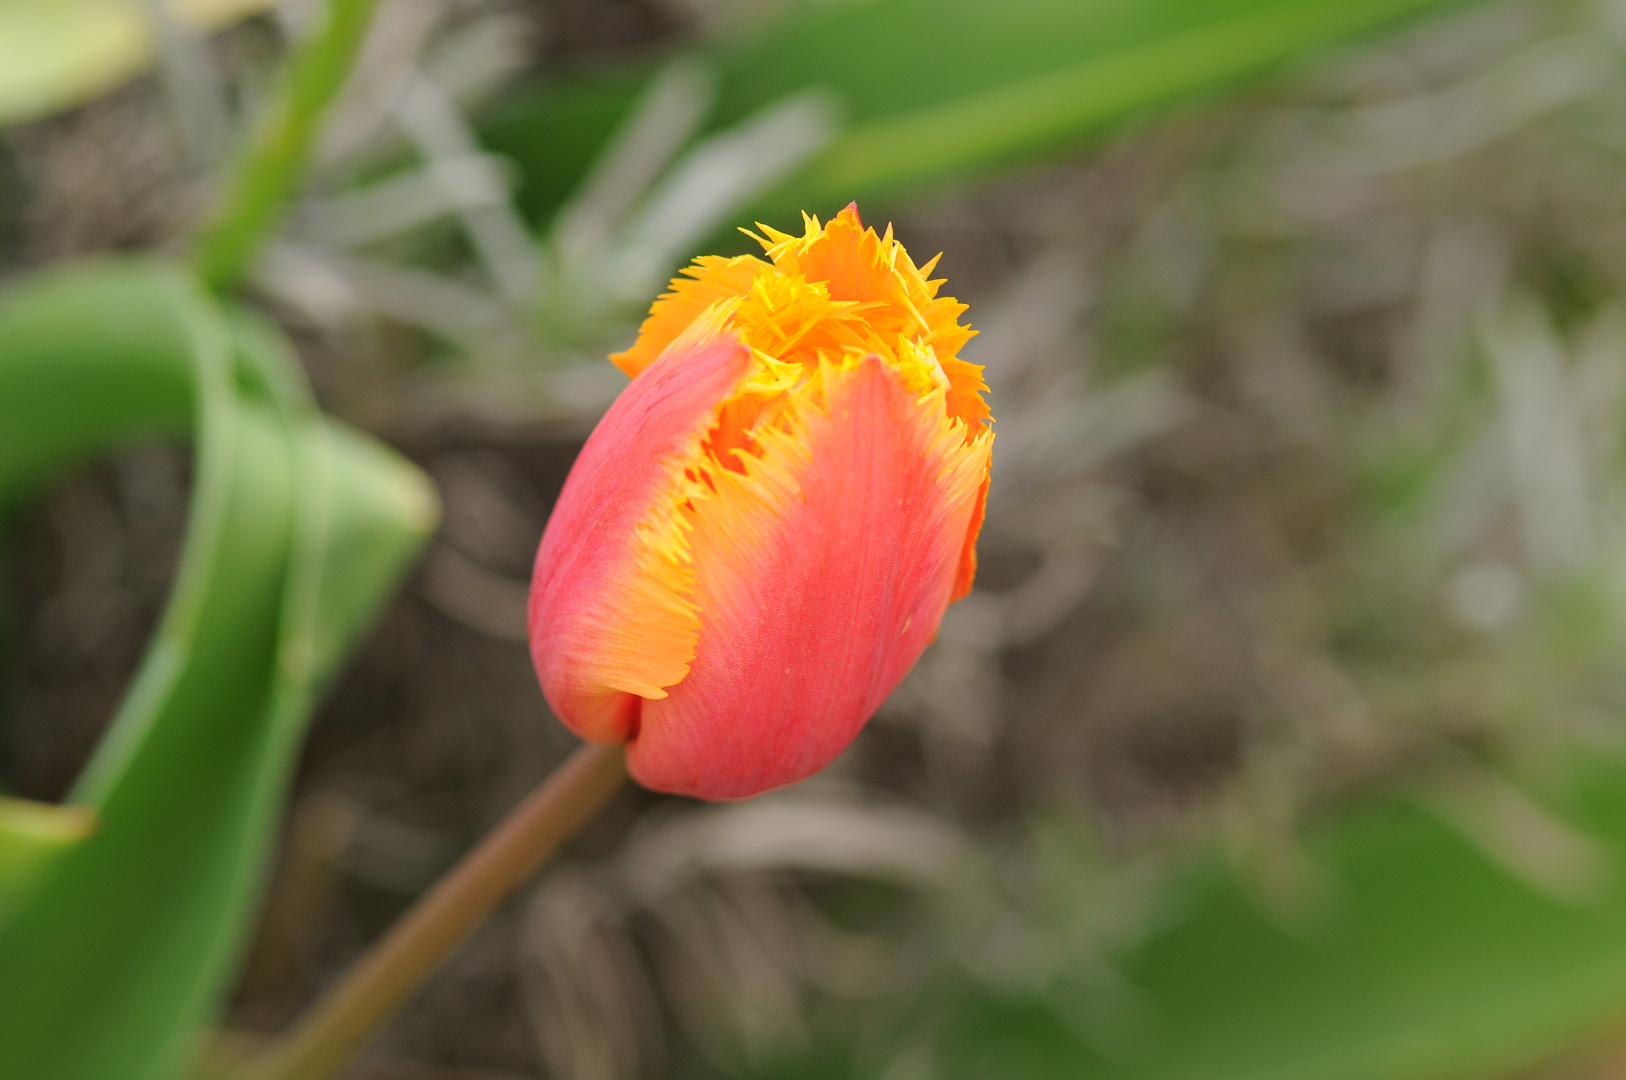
(764, 531)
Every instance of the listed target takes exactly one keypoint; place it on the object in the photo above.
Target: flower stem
(382, 980)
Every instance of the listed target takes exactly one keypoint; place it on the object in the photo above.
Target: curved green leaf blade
(32, 837)
(115, 959)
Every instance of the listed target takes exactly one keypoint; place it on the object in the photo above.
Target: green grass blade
(271, 165)
(112, 962)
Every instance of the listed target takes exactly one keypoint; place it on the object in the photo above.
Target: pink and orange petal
(764, 531)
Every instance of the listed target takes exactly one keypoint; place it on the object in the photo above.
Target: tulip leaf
(120, 951)
(935, 90)
(1423, 955)
(1029, 78)
(32, 836)
(55, 54)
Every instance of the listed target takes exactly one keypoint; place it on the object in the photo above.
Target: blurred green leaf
(32, 836)
(55, 54)
(121, 951)
(1420, 955)
(934, 90)
(940, 91)
(555, 132)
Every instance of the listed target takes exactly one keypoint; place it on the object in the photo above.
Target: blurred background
(1282, 736)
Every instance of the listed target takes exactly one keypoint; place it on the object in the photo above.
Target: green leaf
(936, 90)
(554, 132)
(1425, 956)
(298, 526)
(55, 54)
(32, 837)
(986, 84)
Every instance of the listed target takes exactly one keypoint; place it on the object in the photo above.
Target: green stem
(326, 1036)
(268, 169)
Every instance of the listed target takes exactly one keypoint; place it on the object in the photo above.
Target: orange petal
(612, 611)
(854, 262)
(966, 387)
(710, 279)
(967, 572)
(898, 302)
(821, 572)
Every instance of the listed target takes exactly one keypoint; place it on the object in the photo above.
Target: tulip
(764, 531)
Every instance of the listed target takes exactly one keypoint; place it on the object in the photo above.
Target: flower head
(763, 532)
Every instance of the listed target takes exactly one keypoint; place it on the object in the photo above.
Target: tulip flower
(764, 531)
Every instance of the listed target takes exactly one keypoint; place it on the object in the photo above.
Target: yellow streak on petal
(648, 644)
(710, 279)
